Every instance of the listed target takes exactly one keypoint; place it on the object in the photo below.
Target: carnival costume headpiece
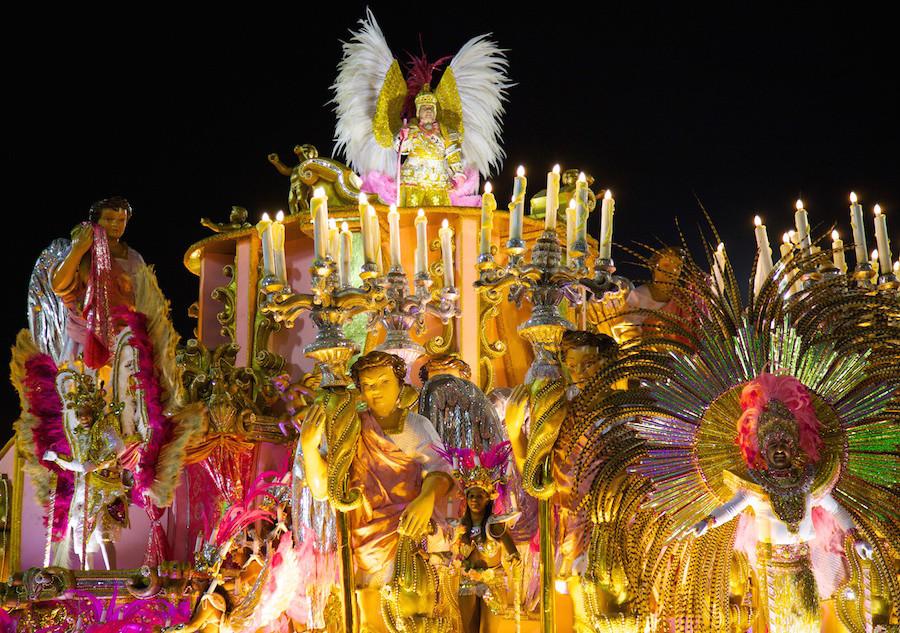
(485, 470)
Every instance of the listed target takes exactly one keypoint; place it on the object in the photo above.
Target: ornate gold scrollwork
(226, 294)
(442, 343)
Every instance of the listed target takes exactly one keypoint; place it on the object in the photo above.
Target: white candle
(859, 229)
(552, 199)
(837, 251)
(346, 254)
(265, 236)
(394, 237)
(570, 230)
(368, 253)
(719, 266)
(581, 214)
(882, 241)
(334, 238)
(421, 242)
(786, 246)
(801, 220)
(517, 206)
(488, 206)
(319, 212)
(607, 210)
(446, 235)
(375, 230)
(764, 261)
(277, 236)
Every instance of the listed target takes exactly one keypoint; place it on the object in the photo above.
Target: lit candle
(719, 266)
(488, 206)
(552, 199)
(786, 246)
(394, 237)
(421, 242)
(446, 235)
(368, 253)
(517, 206)
(837, 250)
(874, 261)
(375, 230)
(334, 238)
(881, 239)
(859, 229)
(764, 261)
(319, 212)
(801, 220)
(265, 236)
(581, 214)
(277, 237)
(607, 210)
(570, 230)
(346, 254)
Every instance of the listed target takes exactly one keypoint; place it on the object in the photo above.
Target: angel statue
(96, 312)
(447, 134)
(786, 407)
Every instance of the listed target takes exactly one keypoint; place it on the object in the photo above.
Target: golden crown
(425, 97)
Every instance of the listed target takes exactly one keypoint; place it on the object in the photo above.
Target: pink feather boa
(45, 404)
(463, 195)
(160, 427)
(794, 395)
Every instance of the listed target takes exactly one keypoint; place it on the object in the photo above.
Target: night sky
(743, 111)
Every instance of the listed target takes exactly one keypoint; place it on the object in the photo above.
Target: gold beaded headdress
(425, 97)
(485, 470)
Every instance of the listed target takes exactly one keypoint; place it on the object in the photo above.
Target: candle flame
(757, 221)
(835, 235)
(799, 205)
(421, 213)
(279, 217)
(720, 247)
(608, 194)
(372, 211)
(319, 192)
(332, 224)
(556, 169)
(786, 238)
(345, 228)
(572, 203)
(792, 233)
(853, 197)
(445, 224)
(520, 171)
(582, 177)
(877, 209)
(488, 187)
(265, 217)
(897, 266)
(875, 254)
(363, 198)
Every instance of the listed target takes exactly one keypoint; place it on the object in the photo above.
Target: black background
(744, 110)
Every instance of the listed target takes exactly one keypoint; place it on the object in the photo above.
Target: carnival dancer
(788, 406)
(393, 465)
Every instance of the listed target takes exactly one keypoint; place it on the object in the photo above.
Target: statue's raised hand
(82, 237)
(415, 518)
(313, 427)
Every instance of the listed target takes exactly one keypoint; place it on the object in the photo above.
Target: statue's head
(582, 354)
(666, 265)
(426, 105)
(445, 365)
(778, 427)
(379, 376)
(112, 214)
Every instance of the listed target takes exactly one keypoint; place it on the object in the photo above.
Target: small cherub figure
(483, 543)
(237, 220)
(299, 190)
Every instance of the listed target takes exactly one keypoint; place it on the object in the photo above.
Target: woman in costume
(790, 406)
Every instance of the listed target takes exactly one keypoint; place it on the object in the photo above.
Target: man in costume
(549, 404)
(395, 466)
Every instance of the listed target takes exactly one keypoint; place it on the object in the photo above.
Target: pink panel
(212, 277)
(243, 325)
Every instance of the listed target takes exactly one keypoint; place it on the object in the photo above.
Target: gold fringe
(187, 423)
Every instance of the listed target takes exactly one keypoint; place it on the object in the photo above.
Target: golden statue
(381, 467)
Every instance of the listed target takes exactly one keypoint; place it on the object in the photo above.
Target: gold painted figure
(393, 465)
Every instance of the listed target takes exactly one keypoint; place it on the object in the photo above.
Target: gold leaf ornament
(389, 108)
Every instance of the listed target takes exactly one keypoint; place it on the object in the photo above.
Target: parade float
(406, 407)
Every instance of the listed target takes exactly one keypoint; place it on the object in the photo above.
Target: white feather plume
(361, 74)
(480, 71)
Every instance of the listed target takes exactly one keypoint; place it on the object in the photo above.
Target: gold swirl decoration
(343, 429)
(548, 411)
(226, 294)
(489, 308)
(442, 343)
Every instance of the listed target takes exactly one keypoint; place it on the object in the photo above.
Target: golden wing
(389, 108)
(451, 114)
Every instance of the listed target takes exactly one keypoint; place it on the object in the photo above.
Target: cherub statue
(448, 135)
(395, 474)
(237, 220)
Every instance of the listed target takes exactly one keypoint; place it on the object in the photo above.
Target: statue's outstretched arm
(310, 439)
(724, 513)
(65, 275)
